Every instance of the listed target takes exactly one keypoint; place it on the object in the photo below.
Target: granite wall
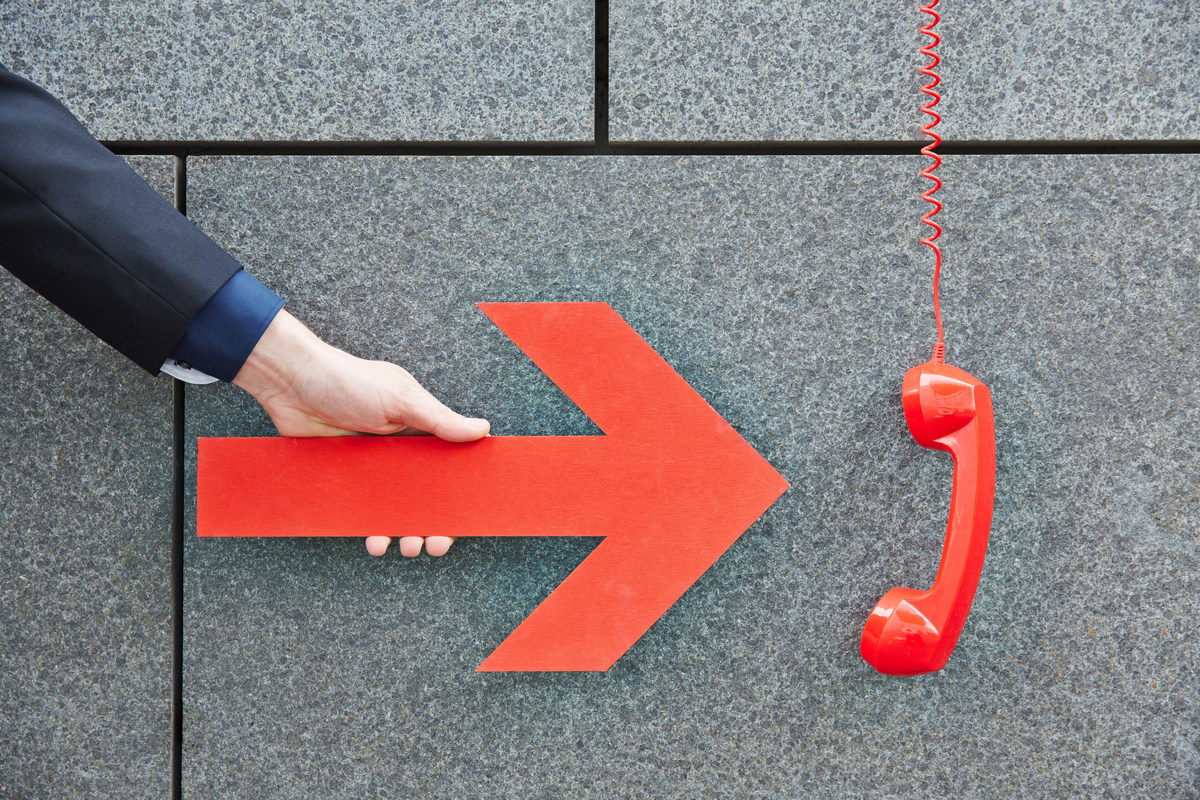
(789, 290)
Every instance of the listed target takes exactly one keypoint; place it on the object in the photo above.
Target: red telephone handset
(912, 632)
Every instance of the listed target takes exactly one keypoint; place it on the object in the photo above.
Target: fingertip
(410, 546)
(438, 545)
(463, 429)
(378, 545)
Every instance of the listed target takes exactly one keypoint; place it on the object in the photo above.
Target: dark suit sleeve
(82, 229)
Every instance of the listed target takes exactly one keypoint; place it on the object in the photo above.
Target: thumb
(428, 413)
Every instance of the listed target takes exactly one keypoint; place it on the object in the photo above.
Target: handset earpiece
(912, 632)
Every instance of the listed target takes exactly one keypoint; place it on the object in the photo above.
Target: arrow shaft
(501, 486)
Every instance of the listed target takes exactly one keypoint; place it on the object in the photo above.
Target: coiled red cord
(939, 349)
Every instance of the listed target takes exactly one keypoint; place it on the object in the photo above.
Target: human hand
(310, 388)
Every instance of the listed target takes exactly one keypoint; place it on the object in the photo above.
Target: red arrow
(671, 485)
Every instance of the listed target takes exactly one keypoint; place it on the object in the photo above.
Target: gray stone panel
(85, 570)
(324, 70)
(847, 70)
(792, 294)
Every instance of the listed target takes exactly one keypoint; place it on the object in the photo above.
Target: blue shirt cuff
(219, 340)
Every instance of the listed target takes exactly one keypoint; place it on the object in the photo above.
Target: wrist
(280, 355)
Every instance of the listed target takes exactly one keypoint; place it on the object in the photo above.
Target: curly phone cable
(939, 349)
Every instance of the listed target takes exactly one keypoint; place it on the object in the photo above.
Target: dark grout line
(177, 399)
(183, 149)
(177, 598)
(181, 183)
(1099, 147)
(601, 83)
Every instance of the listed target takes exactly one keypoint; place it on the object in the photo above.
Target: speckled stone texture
(791, 293)
(320, 70)
(85, 568)
(847, 70)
